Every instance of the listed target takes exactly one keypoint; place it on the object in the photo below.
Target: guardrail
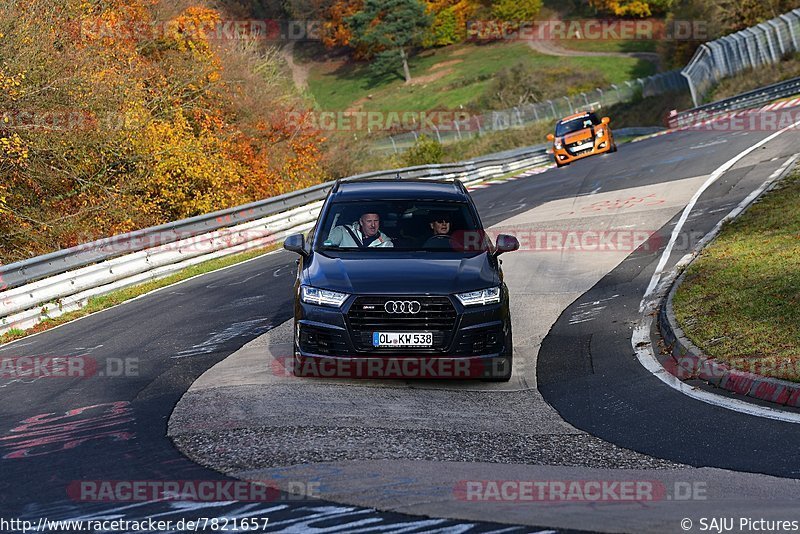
(52, 284)
(745, 100)
(763, 44)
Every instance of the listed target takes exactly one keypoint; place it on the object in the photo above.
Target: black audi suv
(399, 279)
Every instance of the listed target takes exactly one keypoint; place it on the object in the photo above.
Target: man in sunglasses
(440, 224)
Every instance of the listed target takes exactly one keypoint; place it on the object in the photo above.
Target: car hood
(386, 273)
(580, 135)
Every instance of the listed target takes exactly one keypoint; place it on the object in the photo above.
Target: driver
(365, 232)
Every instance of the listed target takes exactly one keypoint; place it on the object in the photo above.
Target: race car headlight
(558, 144)
(600, 132)
(484, 296)
(322, 297)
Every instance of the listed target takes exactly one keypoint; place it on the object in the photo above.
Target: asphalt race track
(579, 407)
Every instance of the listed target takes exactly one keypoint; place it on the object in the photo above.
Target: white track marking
(640, 340)
(711, 179)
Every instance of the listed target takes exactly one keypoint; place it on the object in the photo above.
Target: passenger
(440, 226)
(362, 234)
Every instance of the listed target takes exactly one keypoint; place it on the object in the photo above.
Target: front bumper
(467, 342)
(600, 145)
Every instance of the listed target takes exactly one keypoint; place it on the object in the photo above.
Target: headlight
(323, 297)
(600, 132)
(558, 144)
(484, 296)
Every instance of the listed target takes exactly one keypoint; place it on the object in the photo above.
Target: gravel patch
(255, 448)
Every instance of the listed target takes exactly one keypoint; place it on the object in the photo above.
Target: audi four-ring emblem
(402, 306)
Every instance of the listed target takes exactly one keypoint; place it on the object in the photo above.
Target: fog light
(602, 145)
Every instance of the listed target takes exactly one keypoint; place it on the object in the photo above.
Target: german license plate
(402, 339)
(584, 146)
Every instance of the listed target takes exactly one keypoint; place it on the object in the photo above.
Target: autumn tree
(716, 18)
(112, 120)
(450, 19)
(516, 10)
(735, 15)
(334, 31)
(389, 29)
(631, 8)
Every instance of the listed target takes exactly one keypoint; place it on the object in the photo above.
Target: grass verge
(103, 302)
(609, 45)
(740, 300)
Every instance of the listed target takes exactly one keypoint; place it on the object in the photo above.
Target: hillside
(462, 75)
(121, 114)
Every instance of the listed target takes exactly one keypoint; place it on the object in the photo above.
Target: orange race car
(581, 135)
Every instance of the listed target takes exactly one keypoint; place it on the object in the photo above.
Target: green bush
(523, 84)
(424, 151)
(516, 10)
(445, 30)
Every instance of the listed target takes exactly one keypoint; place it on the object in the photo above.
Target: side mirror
(605, 120)
(506, 243)
(296, 243)
(551, 137)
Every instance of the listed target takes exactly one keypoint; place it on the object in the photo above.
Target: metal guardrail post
(777, 30)
(793, 30)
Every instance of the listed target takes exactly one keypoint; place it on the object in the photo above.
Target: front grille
(367, 315)
(322, 341)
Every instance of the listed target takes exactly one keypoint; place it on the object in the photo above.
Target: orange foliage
(334, 29)
(166, 138)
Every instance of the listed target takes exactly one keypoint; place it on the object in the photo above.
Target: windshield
(586, 121)
(401, 225)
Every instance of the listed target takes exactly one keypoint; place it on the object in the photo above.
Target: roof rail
(460, 185)
(335, 187)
